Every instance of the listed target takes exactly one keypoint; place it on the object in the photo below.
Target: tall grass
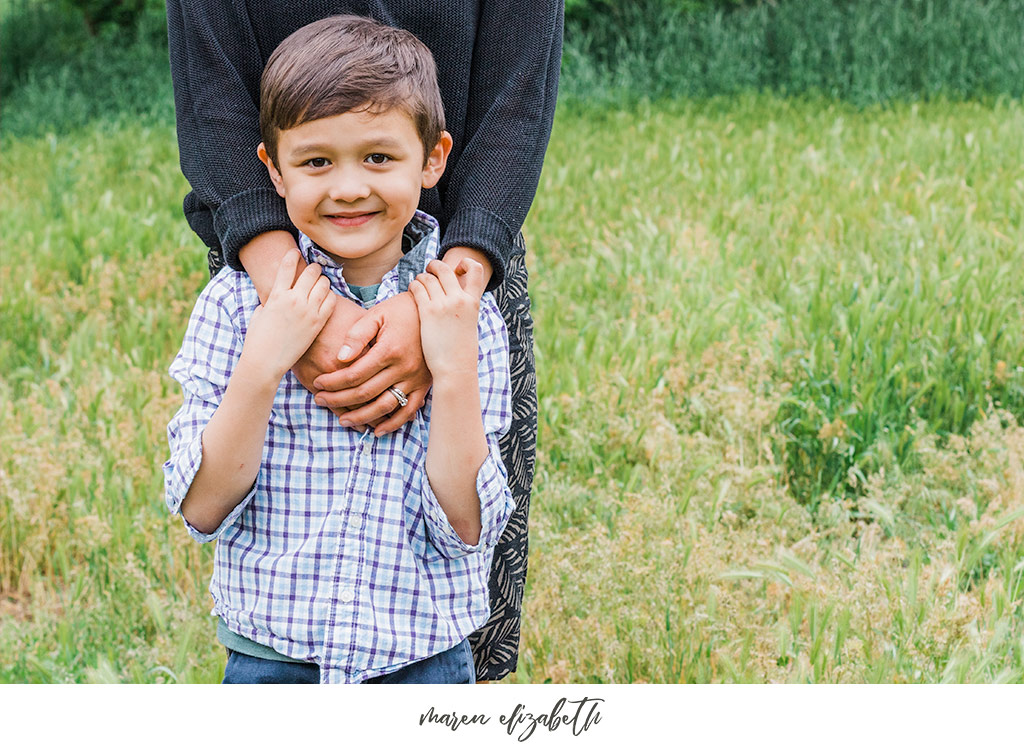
(718, 288)
(729, 269)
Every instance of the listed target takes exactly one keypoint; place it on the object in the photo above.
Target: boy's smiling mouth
(350, 219)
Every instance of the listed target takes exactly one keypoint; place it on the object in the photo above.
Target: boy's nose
(349, 185)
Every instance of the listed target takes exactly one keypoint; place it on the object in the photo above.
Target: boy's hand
(448, 302)
(281, 330)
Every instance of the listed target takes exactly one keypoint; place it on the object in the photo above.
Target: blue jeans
(454, 665)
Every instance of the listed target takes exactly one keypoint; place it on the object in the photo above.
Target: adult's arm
(216, 64)
(512, 93)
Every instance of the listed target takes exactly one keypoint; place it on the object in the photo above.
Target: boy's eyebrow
(304, 149)
(382, 142)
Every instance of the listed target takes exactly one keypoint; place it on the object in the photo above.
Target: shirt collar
(420, 243)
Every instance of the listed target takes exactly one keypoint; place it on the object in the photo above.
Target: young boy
(341, 556)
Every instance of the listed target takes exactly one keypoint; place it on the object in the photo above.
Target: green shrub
(59, 76)
(36, 34)
(865, 52)
(580, 10)
(116, 15)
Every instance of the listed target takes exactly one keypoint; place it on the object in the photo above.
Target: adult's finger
(401, 415)
(363, 392)
(373, 411)
(364, 369)
(359, 336)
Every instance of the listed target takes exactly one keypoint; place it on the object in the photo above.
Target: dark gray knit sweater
(498, 66)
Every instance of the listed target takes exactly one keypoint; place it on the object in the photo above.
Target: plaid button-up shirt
(340, 554)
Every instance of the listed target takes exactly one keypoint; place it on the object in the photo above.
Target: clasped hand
(283, 328)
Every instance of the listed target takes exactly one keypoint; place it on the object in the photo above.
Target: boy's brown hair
(342, 64)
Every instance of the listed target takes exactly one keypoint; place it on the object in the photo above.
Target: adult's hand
(395, 359)
(381, 351)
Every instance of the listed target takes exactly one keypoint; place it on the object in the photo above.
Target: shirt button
(347, 596)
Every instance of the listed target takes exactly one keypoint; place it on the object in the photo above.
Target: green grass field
(781, 370)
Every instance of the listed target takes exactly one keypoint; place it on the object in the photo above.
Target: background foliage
(864, 51)
(59, 71)
(66, 62)
(774, 259)
(720, 319)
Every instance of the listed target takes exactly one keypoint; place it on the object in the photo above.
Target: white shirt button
(347, 595)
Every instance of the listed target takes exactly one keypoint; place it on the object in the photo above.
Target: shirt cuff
(179, 474)
(496, 506)
(481, 229)
(245, 216)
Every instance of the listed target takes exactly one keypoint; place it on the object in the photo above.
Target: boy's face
(352, 182)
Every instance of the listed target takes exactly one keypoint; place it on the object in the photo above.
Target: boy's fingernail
(344, 353)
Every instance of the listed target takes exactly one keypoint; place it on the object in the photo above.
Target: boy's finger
(431, 285)
(308, 279)
(472, 277)
(327, 305)
(286, 271)
(321, 289)
(419, 293)
(446, 276)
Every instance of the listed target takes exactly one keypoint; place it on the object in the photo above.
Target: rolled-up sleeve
(496, 502)
(208, 355)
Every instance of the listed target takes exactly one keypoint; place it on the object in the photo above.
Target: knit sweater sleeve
(216, 65)
(512, 91)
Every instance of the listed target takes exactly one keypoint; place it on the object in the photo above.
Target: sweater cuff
(245, 216)
(481, 229)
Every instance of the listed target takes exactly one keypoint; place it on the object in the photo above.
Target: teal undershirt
(365, 293)
(236, 642)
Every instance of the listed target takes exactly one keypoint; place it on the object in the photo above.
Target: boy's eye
(317, 162)
(378, 159)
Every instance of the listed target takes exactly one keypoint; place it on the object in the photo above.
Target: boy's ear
(436, 160)
(275, 175)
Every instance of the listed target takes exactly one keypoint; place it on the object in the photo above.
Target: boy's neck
(366, 271)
